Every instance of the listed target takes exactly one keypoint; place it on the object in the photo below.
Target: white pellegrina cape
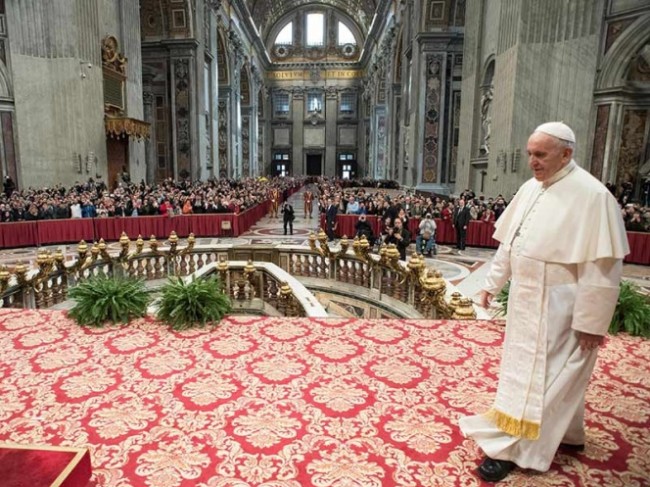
(579, 220)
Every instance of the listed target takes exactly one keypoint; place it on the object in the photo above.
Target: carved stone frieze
(182, 112)
(434, 80)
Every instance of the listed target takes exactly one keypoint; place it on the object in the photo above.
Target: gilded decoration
(118, 127)
(111, 57)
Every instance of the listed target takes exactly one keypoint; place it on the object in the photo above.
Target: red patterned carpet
(290, 403)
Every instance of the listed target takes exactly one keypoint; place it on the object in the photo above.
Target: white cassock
(562, 245)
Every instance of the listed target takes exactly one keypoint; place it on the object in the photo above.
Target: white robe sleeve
(499, 271)
(598, 288)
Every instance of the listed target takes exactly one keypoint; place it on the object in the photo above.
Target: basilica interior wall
(122, 20)
(59, 110)
(545, 62)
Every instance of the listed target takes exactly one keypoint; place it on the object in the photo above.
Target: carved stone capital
(148, 98)
(214, 4)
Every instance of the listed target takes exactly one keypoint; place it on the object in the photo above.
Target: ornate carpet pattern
(294, 402)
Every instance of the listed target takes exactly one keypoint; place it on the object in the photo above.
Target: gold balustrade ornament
(429, 282)
(424, 287)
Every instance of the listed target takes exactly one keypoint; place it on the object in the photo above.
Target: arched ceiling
(266, 13)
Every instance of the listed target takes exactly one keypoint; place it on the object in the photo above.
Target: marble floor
(466, 269)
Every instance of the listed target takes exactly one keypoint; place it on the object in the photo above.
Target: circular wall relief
(348, 50)
(281, 51)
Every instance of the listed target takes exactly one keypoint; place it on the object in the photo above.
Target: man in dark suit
(330, 219)
(461, 218)
(287, 216)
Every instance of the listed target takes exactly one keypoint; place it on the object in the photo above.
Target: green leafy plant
(101, 298)
(200, 301)
(632, 313)
(502, 299)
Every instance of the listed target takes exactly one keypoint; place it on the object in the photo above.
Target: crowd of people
(92, 199)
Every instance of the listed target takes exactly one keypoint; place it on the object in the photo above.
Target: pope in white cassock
(562, 245)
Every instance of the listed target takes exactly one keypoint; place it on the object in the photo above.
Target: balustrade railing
(412, 283)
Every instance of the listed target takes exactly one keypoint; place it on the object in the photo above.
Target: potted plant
(195, 303)
(100, 299)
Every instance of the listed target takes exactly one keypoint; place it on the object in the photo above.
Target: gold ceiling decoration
(119, 127)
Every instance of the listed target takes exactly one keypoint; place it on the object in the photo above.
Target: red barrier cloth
(445, 233)
(63, 231)
(42, 466)
(179, 224)
(639, 248)
(209, 225)
(479, 234)
(19, 234)
(245, 220)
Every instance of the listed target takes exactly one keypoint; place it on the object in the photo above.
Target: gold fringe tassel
(514, 427)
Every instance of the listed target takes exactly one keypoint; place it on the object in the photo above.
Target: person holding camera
(287, 217)
(399, 236)
(426, 236)
(363, 228)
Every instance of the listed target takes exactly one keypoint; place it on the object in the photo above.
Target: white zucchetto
(557, 129)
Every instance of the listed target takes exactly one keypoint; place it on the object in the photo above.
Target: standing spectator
(287, 216)
(75, 210)
(330, 219)
(461, 221)
(9, 186)
(499, 207)
(353, 206)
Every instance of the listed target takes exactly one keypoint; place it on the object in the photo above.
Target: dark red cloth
(34, 467)
(639, 248)
(63, 231)
(19, 234)
(209, 225)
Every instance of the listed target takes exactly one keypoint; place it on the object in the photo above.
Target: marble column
(150, 143)
(298, 129)
(331, 109)
(224, 130)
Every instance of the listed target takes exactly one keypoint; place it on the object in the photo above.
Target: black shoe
(495, 470)
(570, 447)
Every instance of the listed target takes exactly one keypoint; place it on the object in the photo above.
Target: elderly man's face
(546, 155)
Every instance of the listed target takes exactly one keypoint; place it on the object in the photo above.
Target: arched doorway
(621, 143)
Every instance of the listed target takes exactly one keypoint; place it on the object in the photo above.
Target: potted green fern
(632, 313)
(195, 303)
(100, 299)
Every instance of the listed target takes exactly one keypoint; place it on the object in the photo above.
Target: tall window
(281, 103)
(348, 104)
(315, 29)
(286, 35)
(345, 35)
(314, 102)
